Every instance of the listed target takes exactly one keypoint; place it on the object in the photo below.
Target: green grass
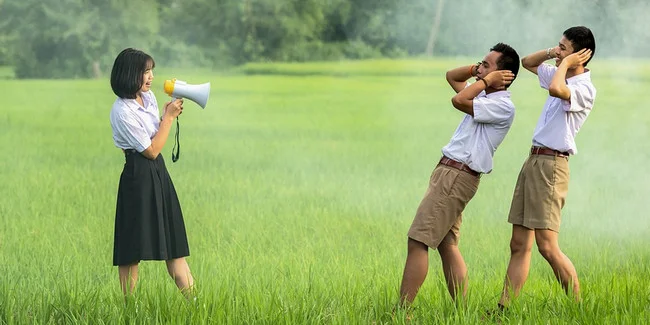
(378, 67)
(298, 189)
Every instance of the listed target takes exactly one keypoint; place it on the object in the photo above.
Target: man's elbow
(456, 102)
(462, 105)
(448, 77)
(559, 92)
(526, 64)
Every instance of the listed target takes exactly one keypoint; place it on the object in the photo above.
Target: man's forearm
(558, 88)
(533, 60)
(458, 77)
(464, 100)
(461, 74)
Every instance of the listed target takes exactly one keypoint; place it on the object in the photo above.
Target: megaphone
(180, 89)
(196, 93)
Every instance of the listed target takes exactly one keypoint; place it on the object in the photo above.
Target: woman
(148, 220)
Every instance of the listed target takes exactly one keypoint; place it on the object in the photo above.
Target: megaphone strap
(177, 144)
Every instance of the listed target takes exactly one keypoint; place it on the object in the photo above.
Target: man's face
(562, 50)
(488, 64)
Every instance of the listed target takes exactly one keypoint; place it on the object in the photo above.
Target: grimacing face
(562, 50)
(488, 64)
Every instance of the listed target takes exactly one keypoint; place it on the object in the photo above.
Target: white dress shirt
(134, 125)
(477, 138)
(561, 119)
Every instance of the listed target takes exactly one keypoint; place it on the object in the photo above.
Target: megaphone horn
(180, 89)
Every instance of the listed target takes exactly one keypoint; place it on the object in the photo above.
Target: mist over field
(618, 26)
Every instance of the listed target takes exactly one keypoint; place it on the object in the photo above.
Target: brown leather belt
(458, 165)
(548, 152)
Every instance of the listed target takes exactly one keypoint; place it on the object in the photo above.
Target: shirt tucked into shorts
(543, 182)
(439, 216)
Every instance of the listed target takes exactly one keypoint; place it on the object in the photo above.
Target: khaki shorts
(540, 193)
(439, 216)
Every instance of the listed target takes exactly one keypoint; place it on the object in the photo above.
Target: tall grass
(298, 189)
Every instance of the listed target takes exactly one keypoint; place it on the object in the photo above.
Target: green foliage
(80, 38)
(75, 38)
(6, 35)
(179, 54)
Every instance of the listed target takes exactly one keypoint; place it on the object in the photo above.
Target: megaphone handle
(177, 144)
(176, 155)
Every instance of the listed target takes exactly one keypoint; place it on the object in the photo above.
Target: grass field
(298, 184)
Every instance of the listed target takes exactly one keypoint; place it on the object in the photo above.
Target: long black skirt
(148, 219)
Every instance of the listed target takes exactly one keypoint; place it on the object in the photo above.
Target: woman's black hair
(128, 69)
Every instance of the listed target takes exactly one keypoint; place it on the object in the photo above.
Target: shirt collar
(498, 94)
(134, 105)
(585, 76)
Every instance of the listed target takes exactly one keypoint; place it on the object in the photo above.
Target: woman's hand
(173, 109)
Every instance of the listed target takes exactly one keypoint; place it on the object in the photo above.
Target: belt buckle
(535, 150)
(465, 168)
(454, 164)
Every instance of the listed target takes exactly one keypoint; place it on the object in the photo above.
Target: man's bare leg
(415, 271)
(565, 272)
(454, 268)
(521, 245)
(128, 277)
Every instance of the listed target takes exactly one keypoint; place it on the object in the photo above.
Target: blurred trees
(72, 38)
(80, 38)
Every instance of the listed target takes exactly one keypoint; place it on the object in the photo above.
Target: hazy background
(80, 38)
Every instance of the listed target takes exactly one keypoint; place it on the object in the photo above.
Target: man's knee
(446, 248)
(547, 250)
(416, 246)
(547, 245)
(520, 245)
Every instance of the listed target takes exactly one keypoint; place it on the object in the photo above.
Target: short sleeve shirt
(477, 138)
(135, 125)
(561, 119)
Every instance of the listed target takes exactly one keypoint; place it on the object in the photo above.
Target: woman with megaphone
(148, 220)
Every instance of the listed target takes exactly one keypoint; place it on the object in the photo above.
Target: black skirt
(148, 219)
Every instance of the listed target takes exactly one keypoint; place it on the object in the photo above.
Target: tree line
(80, 38)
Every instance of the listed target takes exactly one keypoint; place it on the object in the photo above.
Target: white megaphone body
(180, 89)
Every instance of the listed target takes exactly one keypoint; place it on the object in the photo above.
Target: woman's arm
(171, 111)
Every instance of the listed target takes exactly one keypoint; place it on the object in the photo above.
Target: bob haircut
(128, 69)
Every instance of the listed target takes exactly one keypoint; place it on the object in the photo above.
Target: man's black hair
(509, 59)
(581, 37)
